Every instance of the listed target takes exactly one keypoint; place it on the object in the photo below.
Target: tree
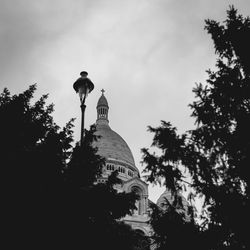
(34, 152)
(173, 222)
(99, 206)
(52, 198)
(216, 153)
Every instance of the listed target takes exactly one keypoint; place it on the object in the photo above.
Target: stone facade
(119, 157)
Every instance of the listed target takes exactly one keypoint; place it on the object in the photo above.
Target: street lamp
(83, 86)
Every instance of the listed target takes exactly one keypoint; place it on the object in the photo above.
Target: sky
(146, 54)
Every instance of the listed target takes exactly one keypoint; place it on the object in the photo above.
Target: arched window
(139, 232)
(138, 203)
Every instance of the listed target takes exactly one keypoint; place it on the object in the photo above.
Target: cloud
(30, 30)
(147, 54)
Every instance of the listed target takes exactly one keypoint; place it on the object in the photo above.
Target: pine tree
(34, 151)
(98, 207)
(51, 195)
(217, 152)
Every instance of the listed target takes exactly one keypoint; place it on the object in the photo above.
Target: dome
(181, 206)
(113, 147)
(102, 101)
(110, 144)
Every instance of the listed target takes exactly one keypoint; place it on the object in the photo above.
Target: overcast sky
(146, 54)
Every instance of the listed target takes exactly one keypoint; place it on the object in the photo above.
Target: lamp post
(83, 86)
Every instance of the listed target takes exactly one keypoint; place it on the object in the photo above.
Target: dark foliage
(33, 154)
(216, 153)
(51, 197)
(99, 205)
(172, 229)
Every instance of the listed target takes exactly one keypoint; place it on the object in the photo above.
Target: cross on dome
(102, 109)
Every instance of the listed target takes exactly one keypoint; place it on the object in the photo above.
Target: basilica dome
(119, 158)
(111, 145)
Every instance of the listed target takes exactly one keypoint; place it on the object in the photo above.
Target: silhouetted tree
(217, 152)
(52, 198)
(100, 207)
(33, 152)
(173, 222)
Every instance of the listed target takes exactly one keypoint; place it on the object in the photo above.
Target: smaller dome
(102, 101)
(168, 198)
